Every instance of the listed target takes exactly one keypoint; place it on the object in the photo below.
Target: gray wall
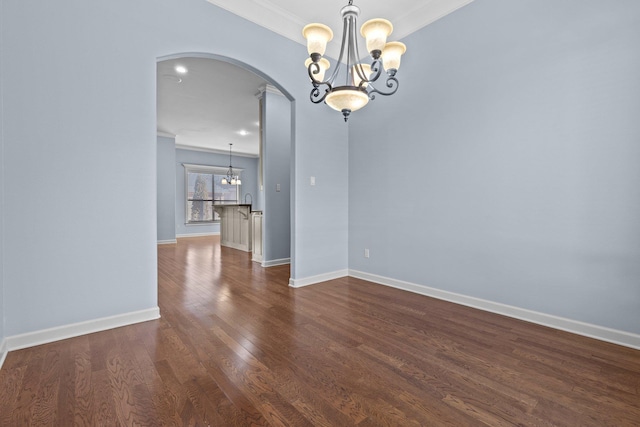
(79, 129)
(79, 159)
(507, 168)
(277, 171)
(319, 243)
(249, 183)
(2, 320)
(166, 203)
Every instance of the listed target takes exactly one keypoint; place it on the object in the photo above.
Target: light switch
(277, 187)
(313, 180)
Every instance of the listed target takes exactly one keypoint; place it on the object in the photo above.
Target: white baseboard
(3, 351)
(167, 242)
(274, 262)
(213, 233)
(602, 333)
(237, 246)
(306, 281)
(30, 339)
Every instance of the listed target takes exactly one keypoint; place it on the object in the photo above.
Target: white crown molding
(312, 280)
(166, 135)
(278, 19)
(214, 151)
(425, 13)
(267, 15)
(210, 169)
(45, 336)
(267, 89)
(602, 333)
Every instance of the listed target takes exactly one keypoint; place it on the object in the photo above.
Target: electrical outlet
(366, 253)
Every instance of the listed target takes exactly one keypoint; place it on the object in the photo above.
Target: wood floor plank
(67, 398)
(84, 402)
(11, 380)
(236, 346)
(103, 402)
(26, 397)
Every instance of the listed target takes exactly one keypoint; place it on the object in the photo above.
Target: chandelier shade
(375, 32)
(317, 35)
(359, 78)
(347, 98)
(391, 55)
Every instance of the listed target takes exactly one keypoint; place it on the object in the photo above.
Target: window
(204, 188)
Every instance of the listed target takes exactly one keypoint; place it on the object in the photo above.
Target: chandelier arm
(360, 73)
(376, 69)
(336, 70)
(314, 68)
(315, 95)
(364, 79)
(391, 83)
(353, 49)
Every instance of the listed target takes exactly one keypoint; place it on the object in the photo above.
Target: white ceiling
(207, 107)
(288, 17)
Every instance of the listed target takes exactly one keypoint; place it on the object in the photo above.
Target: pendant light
(231, 178)
(358, 87)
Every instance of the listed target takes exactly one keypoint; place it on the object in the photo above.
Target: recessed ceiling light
(181, 69)
(172, 78)
(243, 132)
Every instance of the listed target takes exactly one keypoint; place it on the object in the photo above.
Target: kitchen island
(235, 225)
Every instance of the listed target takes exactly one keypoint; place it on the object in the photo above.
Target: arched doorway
(207, 82)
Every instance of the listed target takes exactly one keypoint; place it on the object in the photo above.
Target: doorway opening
(204, 103)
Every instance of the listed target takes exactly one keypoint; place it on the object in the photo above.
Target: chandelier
(231, 178)
(357, 88)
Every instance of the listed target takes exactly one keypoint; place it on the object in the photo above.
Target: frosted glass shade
(391, 55)
(235, 180)
(317, 35)
(356, 77)
(375, 31)
(347, 98)
(324, 66)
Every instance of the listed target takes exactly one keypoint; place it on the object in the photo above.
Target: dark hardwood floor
(237, 347)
